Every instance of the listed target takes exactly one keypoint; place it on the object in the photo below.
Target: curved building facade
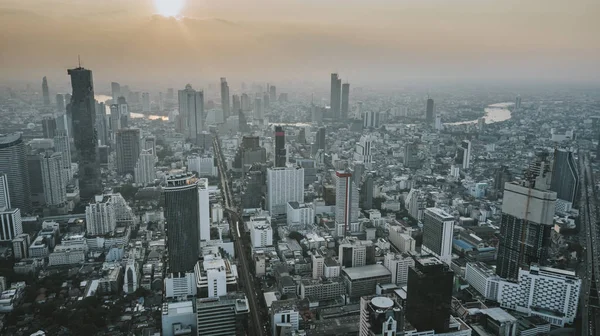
(13, 162)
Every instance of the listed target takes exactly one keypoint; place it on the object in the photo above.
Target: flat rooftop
(365, 272)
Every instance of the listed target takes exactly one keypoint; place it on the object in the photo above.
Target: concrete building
(261, 234)
(179, 318)
(20, 245)
(128, 150)
(215, 276)
(191, 113)
(178, 285)
(346, 202)
(100, 216)
(356, 253)
(13, 162)
(67, 255)
(131, 281)
(361, 281)
(145, 102)
(300, 214)
(4, 192)
(144, 172)
(62, 146)
(322, 289)
(380, 316)
(202, 165)
(318, 265)
(55, 191)
(284, 185)
(204, 208)
(364, 150)
(285, 317)
(438, 230)
(398, 265)
(11, 224)
(401, 240)
(371, 119)
(39, 248)
(224, 315)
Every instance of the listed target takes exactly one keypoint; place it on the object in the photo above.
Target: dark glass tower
(565, 178)
(429, 295)
(429, 117)
(345, 100)
(280, 153)
(225, 98)
(45, 91)
(182, 216)
(335, 100)
(128, 150)
(82, 110)
(320, 141)
(13, 162)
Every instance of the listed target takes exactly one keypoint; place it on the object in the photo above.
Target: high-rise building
(366, 192)
(225, 315)
(336, 95)
(245, 102)
(191, 112)
(380, 316)
(144, 173)
(4, 192)
(102, 128)
(100, 217)
(525, 227)
(145, 102)
(429, 114)
(116, 91)
(259, 113)
(204, 207)
(429, 295)
(345, 101)
(284, 184)
(463, 154)
(346, 201)
(518, 103)
(225, 98)
(273, 93)
(83, 118)
(55, 191)
(285, 317)
(36, 182)
(60, 103)
(502, 176)
(398, 264)
(150, 144)
(49, 127)
(438, 230)
(20, 245)
(124, 113)
(371, 119)
(320, 138)
(45, 91)
(356, 253)
(236, 104)
(266, 100)
(364, 150)
(128, 150)
(411, 157)
(182, 217)
(62, 146)
(115, 120)
(10, 224)
(565, 177)
(280, 151)
(13, 162)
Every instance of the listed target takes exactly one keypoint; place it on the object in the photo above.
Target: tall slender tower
(225, 98)
(191, 112)
(83, 118)
(116, 91)
(128, 150)
(336, 87)
(60, 104)
(345, 100)
(280, 152)
(13, 162)
(45, 91)
(55, 192)
(429, 116)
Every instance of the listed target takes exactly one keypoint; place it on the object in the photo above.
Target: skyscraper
(258, 110)
(128, 150)
(334, 101)
(429, 116)
(236, 104)
(346, 200)
(36, 183)
(411, 158)
(101, 124)
(284, 185)
(45, 91)
(380, 316)
(565, 177)
(49, 127)
(124, 114)
(182, 217)
(13, 162)
(60, 103)
(100, 216)
(273, 93)
(116, 91)
(364, 150)
(10, 224)
(204, 211)
(62, 146)
(280, 152)
(4, 192)
(144, 169)
(429, 295)
(55, 192)
(463, 155)
(83, 118)
(345, 100)
(191, 112)
(438, 230)
(320, 138)
(145, 102)
(225, 98)
(518, 103)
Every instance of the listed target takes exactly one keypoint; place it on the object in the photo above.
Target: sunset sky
(367, 40)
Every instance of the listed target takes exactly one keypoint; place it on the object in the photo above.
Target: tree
(297, 236)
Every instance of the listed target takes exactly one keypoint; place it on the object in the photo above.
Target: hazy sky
(366, 41)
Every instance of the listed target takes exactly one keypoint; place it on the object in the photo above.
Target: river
(493, 113)
(104, 98)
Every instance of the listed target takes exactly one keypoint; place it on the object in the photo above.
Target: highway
(589, 305)
(257, 326)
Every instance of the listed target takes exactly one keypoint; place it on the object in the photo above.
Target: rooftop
(368, 271)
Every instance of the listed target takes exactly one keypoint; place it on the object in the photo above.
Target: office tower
(101, 124)
(124, 112)
(10, 224)
(36, 183)
(371, 119)
(55, 191)
(204, 206)
(225, 98)
(346, 201)
(518, 103)
(182, 217)
(501, 177)
(83, 119)
(258, 110)
(364, 150)
(4, 192)
(280, 152)
(356, 253)
(100, 216)
(463, 155)
(236, 103)
(245, 102)
(565, 177)
(128, 150)
(284, 184)
(191, 112)
(144, 173)
(380, 316)
(320, 138)
(62, 146)
(438, 230)
(429, 114)
(266, 101)
(429, 295)
(411, 156)
(60, 103)
(252, 190)
(150, 144)
(366, 191)
(20, 245)
(45, 91)
(49, 127)
(345, 100)
(225, 315)
(116, 91)
(525, 227)
(13, 162)
(334, 101)
(115, 119)
(145, 102)
(398, 264)
(273, 93)
(244, 127)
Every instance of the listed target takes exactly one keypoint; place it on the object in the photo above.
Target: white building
(143, 172)
(261, 234)
(401, 240)
(214, 275)
(353, 253)
(466, 146)
(318, 265)
(216, 213)
(178, 318)
(346, 202)
(62, 146)
(300, 214)
(204, 206)
(284, 184)
(285, 315)
(20, 246)
(371, 119)
(438, 230)
(10, 224)
(364, 151)
(55, 191)
(132, 277)
(180, 285)
(100, 216)
(415, 204)
(203, 165)
(68, 255)
(4, 192)
(331, 268)
(39, 248)
(398, 264)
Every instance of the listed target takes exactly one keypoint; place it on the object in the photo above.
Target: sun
(168, 7)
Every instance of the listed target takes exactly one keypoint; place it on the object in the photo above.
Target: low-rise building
(361, 281)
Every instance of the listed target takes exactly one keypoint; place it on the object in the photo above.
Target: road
(589, 305)
(257, 326)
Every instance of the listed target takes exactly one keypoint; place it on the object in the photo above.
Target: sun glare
(168, 7)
